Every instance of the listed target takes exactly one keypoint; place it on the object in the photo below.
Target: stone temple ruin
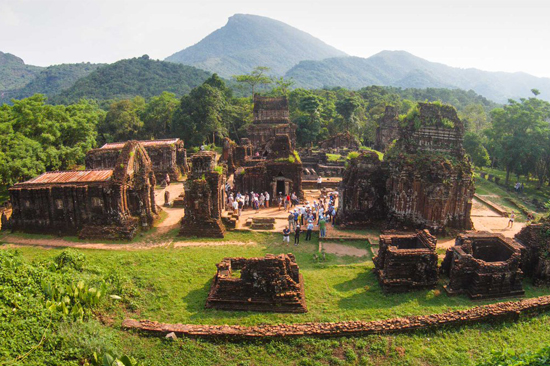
(204, 198)
(267, 162)
(406, 262)
(484, 265)
(535, 239)
(106, 203)
(272, 283)
(425, 180)
(167, 157)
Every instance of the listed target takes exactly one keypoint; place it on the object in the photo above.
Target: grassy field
(509, 199)
(171, 285)
(529, 195)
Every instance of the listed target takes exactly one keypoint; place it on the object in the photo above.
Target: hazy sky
(491, 35)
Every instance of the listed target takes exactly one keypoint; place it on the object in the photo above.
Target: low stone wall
(487, 313)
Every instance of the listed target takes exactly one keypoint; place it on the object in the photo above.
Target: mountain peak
(248, 41)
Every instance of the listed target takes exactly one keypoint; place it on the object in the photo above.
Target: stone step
(262, 226)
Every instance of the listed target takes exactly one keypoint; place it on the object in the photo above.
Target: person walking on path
(297, 235)
(511, 221)
(267, 198)
(309, 230)
(286, 235)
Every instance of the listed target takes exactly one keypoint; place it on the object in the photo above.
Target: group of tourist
(310, 216)
(239, 202)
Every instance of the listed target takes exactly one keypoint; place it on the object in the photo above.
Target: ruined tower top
(432, 127)
(269, 110)
(203, 162)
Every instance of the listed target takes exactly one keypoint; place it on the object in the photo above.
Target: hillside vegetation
(51, 80)
(247, 41)
(402, 69)
(132, 77)
(14, 73)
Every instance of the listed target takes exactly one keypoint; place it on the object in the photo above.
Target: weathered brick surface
(406, 262)
(204, 198)
(484, 265)
(535, 239)
(388, 129)
(504, 311)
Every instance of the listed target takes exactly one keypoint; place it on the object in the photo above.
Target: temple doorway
(280, 186)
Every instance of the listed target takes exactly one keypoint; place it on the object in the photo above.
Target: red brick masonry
(487, 313)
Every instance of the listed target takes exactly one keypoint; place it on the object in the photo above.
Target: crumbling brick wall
(502, 311)
(484, 265)
(388, 129)
(535, 239)
(362, 191)
(272, 283)
(406, 261)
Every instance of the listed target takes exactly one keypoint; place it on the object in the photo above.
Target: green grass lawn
(171, 285)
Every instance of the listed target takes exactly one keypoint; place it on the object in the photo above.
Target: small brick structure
(535, 239)
(388, 129)
(269, 284)
(484, 265)
(204, 198)
(167, 156)
(106, 203)
(406, 261)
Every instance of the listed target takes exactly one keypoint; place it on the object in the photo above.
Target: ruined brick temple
(167, 157)
(406, 261)
(204, 198)
(484, 265)
(272, 284)
(104, 203)
(425, 180)
(279, 170)
(271, 118)
(267, 160)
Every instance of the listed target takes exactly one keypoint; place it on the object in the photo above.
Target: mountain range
(245, 42)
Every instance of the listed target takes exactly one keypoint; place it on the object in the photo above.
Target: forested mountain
(247, 41)
(14, 73)
(402, 69)
(132, 77)
(51, 80)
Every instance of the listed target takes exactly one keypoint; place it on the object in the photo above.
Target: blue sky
(485, 34)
